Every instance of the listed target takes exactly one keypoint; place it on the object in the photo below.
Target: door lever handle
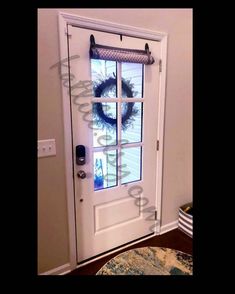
(81, 174)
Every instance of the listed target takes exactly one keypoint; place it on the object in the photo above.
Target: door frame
(65, 19)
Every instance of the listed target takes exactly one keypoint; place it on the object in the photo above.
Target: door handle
(81, 174)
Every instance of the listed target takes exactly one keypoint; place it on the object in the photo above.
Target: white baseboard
(61, 270)
(169, 227)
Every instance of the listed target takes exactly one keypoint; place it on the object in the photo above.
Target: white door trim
(95, 24)
(60, 270)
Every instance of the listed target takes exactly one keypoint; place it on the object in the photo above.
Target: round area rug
(149, 261)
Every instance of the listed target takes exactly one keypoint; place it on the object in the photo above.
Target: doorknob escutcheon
(81, 174)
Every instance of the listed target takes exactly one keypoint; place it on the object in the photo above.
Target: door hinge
(157, 145)
(155, 215)
(66, 32)
(160, 65)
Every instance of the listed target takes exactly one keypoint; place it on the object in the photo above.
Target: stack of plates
(186, 219)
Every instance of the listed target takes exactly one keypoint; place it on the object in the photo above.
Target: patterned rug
(149, 261)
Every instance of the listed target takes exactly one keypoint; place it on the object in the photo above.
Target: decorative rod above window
(120, 54)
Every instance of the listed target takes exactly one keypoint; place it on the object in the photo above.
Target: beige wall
(53, 250)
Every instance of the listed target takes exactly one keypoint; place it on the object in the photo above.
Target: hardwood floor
(174, 239)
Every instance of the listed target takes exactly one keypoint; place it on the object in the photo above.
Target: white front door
(115, 116)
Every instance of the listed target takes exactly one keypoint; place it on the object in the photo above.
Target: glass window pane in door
(104, 124)
(103, 75)
(132, 76)
(132, 113)
(105, 169)
(131, 164)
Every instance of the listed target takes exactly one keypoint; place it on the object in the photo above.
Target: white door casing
(117, 232)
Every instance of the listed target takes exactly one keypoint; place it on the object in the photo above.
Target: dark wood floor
(174, 239)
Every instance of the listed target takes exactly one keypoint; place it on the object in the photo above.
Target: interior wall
(53, 249)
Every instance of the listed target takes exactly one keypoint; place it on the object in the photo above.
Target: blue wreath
(106, 121)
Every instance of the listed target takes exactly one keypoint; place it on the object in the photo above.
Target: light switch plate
(46, 148)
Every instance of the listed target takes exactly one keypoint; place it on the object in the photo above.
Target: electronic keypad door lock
(80, 155)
